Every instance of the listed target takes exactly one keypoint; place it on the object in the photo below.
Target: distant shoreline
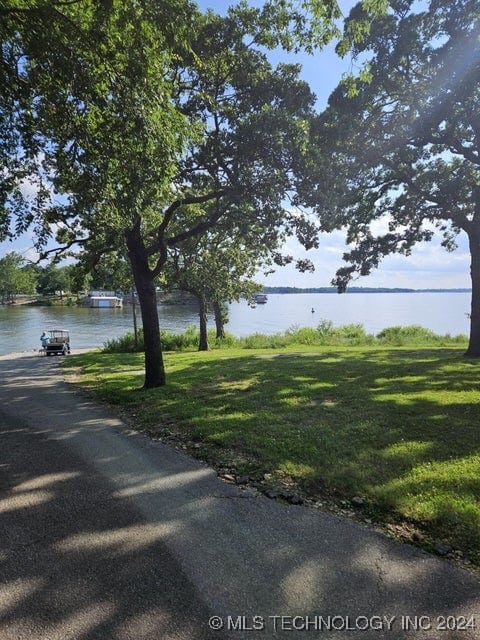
(286, 290)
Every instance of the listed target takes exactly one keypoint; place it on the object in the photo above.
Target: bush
(352, 334)
(413, 334)
(325, 329)
(124, 344)
(171, 341)
(222, 343)
(180, 341)
(305, 335)
(261, 341)
(324, 334)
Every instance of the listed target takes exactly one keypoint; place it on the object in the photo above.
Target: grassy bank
(325, 334)
(396, 427)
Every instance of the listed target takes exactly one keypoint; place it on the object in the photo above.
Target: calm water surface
(20, 327)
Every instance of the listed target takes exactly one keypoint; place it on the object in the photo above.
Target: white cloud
(29, 188)
(429, 266)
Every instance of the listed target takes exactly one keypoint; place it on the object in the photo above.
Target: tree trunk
(474, 242)
(202, 312)
(135, 327)
(147, 298)
(217, 310)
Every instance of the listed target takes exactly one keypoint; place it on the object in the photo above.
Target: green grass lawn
(398, 427)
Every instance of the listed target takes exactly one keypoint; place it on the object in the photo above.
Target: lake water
(21, 326)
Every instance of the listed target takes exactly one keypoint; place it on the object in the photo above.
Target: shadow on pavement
(107, 535)
(78, 562)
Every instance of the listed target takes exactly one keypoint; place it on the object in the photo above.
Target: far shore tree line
(161, 141)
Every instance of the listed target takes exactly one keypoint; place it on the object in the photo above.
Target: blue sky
(429, 266)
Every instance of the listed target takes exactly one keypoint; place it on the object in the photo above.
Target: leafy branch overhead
(136, 127)
(400, 159)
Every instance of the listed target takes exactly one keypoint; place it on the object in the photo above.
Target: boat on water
(259, 298)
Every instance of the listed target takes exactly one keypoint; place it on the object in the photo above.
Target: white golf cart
(58, 343)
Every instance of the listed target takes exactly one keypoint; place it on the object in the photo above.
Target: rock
(293, 498)
(357, 502)
(249, 493)
(242, 479)
(270, 493)
(228, 477)
(418, 537)
(442, 549)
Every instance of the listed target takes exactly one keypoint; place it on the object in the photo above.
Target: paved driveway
(105, 534)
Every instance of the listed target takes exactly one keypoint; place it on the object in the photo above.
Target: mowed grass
(398, 427)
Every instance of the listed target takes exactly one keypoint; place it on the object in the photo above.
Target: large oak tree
(122, 117)
(403, 145)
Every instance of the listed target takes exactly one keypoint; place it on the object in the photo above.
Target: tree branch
(200, 227)
(46, 7)
(59, 250)
(169, 213)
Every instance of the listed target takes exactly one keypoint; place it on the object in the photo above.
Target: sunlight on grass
(396, 426)
(444, 493)
(408, 450)
(296, 470)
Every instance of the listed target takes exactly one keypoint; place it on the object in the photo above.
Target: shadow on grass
(81, 558)
(398, 427)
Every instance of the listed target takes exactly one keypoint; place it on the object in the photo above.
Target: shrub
(324, 334)
(351, 333)
(261, 341)
(306, 335)
(124, 344)
(325, 328)
(222, 343)
(413, 334)
(179, 341)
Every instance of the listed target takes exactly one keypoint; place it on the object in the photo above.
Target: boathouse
(106, 302)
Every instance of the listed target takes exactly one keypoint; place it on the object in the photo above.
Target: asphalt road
(105, 534)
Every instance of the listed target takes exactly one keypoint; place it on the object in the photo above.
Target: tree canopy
(401, 146)
(216, 268)
(133, 127)
(15, 277)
